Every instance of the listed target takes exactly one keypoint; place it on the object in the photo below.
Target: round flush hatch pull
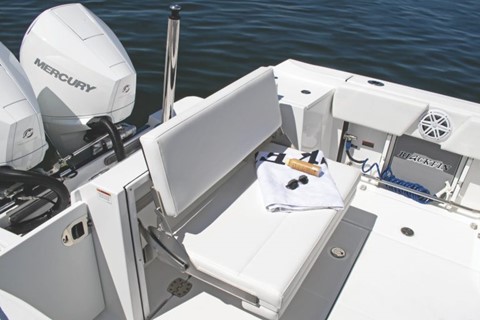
(338, 252)
(435, 126)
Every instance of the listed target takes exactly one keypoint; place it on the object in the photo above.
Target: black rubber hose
(10, 175)
(107, 126)
(349, 155)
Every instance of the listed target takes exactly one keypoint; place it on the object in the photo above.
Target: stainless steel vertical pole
(171, 57)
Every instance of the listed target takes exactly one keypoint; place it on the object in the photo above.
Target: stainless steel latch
(76, 231)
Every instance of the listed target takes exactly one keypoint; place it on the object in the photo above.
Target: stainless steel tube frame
(171, 57)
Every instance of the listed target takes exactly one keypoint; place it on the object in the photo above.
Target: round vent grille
(435, 125)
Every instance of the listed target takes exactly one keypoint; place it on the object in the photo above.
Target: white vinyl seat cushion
(234, 238)
(194, 150)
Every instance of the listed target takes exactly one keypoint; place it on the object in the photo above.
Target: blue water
(432, 45)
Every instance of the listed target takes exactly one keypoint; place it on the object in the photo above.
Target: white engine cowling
(22, 137)
(79, 70)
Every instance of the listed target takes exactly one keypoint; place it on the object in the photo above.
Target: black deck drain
(179, 287)
(407, 231)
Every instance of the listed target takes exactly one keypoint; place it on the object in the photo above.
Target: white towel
(273, 175)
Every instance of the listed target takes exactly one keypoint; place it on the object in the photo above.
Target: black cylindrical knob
(175, 13)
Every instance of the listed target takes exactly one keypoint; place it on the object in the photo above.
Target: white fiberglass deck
(434, 274)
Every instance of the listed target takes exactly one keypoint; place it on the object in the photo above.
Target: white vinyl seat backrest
(190, 153)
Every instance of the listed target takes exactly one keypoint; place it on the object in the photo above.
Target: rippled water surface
(433, 45)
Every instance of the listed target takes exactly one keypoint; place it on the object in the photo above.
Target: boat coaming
(389, 258)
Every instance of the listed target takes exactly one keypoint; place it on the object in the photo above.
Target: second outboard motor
(22, 137)
(79, 71)
(22, 147)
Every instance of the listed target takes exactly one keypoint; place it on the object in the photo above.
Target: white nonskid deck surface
(433, 275)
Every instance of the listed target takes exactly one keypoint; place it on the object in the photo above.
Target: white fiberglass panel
(433, 274)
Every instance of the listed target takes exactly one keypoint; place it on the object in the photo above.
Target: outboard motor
(22, 137)
(80, 73)
(22, 146)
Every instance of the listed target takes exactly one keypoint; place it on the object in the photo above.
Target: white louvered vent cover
(435, 126)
